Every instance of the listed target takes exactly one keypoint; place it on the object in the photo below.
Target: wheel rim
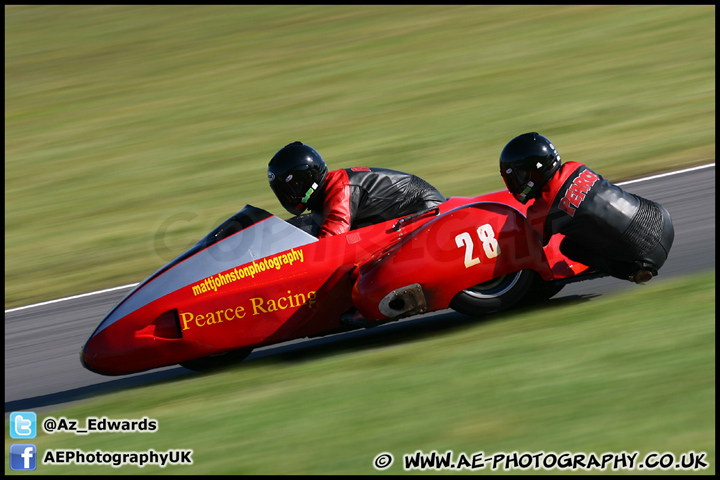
(495, 287)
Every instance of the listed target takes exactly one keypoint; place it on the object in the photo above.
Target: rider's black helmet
(296, 173)
(527, 162)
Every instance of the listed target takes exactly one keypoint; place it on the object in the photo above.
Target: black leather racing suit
(360, 196)
(605, 227)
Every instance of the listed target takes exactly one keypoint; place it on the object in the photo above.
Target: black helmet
(296, 173)
(527, 162)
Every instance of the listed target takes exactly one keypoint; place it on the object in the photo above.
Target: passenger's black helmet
(296, 173)
(527, 163)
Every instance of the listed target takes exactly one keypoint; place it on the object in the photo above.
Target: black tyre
(540, 291)
(498, 294)
(214, 362)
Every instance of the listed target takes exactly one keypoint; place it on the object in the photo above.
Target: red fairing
(458, 249)
(257, 280)
(290, 294)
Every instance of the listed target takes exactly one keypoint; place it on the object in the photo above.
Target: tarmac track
(42, 343)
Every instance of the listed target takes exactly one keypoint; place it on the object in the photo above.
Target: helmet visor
(519, 183)
(515, 179)
(293, 190)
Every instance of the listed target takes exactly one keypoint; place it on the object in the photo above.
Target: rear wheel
(214, 362)
(541, 291)
(495, 295)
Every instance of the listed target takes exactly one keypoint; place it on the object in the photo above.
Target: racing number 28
(486, 234)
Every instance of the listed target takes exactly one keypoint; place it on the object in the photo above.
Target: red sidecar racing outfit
(605, 227)
(360, 196)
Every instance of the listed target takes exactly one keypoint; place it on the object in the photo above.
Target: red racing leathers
(356, 197)
(604, 227)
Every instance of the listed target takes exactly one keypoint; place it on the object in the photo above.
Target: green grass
(627, 372)
(131, 131)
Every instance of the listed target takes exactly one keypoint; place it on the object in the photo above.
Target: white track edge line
(72, 298)
(653, 177)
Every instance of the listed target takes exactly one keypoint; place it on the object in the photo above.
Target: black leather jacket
(361, 196)
(598, 215)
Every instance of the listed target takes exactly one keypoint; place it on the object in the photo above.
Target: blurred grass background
(131, 131)
(631, 372)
